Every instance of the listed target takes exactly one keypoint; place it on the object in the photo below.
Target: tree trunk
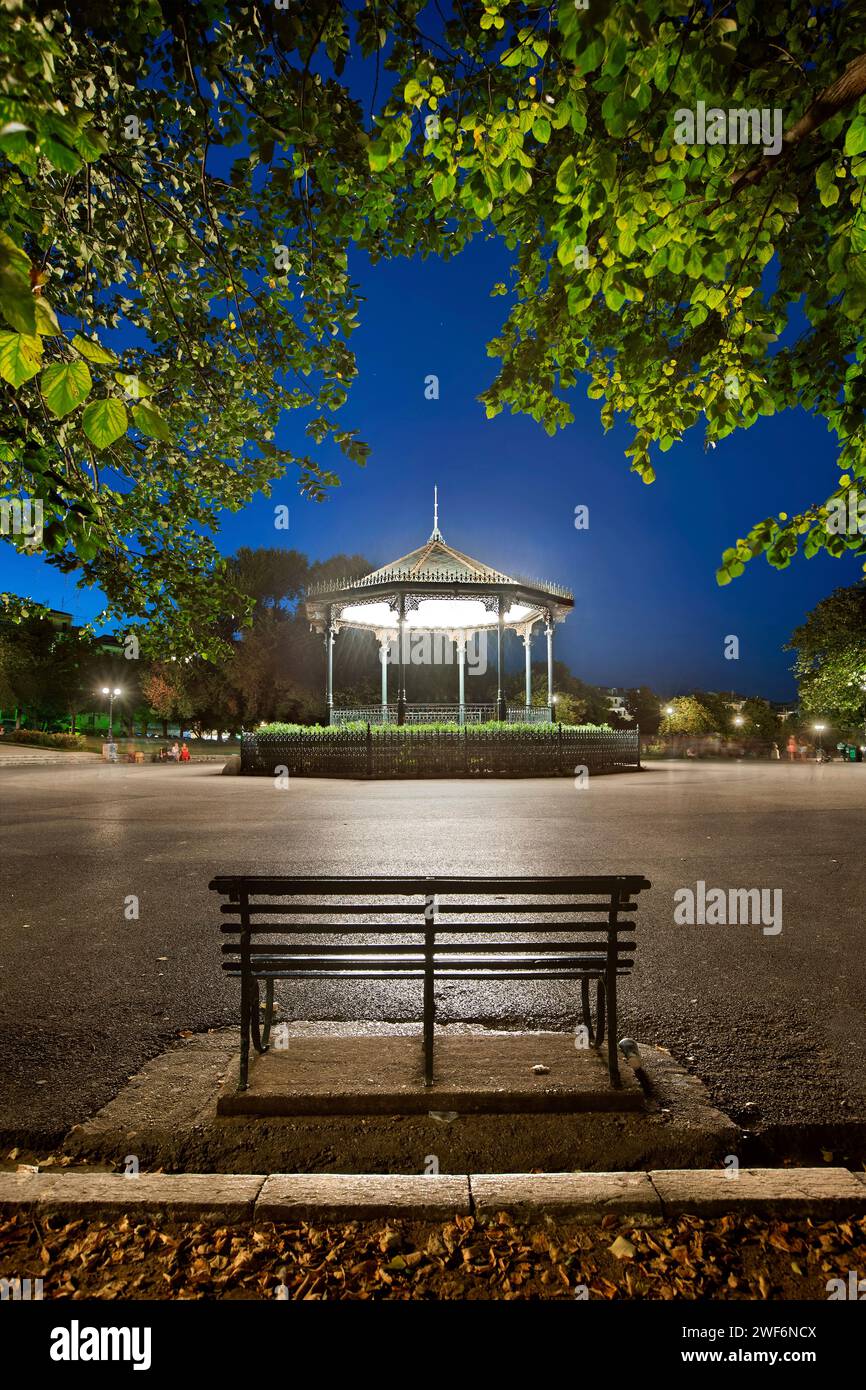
(842, 93)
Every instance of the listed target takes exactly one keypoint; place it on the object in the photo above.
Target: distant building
(59, 618)
(616, 702)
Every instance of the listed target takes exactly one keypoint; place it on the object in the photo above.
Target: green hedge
(359, 727)
(77, 741)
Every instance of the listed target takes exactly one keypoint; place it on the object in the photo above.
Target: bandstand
(438, 590)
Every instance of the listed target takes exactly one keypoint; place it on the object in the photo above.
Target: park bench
(429, 929)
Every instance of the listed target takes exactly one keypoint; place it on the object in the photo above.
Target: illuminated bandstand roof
(440, 589)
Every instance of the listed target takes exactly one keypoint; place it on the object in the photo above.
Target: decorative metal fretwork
(475, 579)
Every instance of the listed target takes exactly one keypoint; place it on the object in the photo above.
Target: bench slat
(408, 929)
(410, 973)
(278, 949)
(417, 908)
(321, 886)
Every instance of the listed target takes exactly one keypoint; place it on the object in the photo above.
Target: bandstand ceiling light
(444, 613)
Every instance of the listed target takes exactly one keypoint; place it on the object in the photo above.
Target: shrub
(36, 736)
(541, 731)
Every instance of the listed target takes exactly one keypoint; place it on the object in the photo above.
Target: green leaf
(16, 299)
(443, 185)
(617, 54)
(541, 129)
(566, 176)
(60, 155)
(12, 255)
(379, 155)
(65, 386)
(46, 320)
(94, 352)
(148, 419)
(133, 385)
(20, 357)
(590, 57)
(855, 137)
(104, 421)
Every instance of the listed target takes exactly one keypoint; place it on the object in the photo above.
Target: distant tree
(760, 718)
(644, 707)
(571, 709)
(689, 717)
(720, 706)
(270, 577)
(164, 689)
(830, 664)
(44, 669)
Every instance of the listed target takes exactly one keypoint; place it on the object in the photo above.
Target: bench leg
(269, 1013)
(244, 1083)
(612, 1038)
(429, 1025)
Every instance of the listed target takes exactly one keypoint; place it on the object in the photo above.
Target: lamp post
(819, 730)
(112, 695)
(738, 720)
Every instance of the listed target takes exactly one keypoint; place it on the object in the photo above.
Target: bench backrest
(389, 926)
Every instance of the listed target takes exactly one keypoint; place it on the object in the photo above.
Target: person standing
(792, 747)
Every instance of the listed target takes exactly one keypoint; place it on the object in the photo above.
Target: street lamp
(819, 730)
(738, 720)
(112, 695)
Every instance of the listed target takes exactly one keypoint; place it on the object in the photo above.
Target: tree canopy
(642, 261)
(173, 277)
(830, 663)
(181, 186)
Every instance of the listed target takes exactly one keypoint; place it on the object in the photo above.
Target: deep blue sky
(647, 607)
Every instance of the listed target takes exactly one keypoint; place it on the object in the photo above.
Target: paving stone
(337, 1196)
(576, 1195)
(227, 1196)
(20, 1189)
(767, 1191)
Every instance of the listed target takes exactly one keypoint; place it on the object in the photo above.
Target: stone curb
(348, 1197)
(770, 1192)
(824, 1192)
(590, 1195)
(225, 1196)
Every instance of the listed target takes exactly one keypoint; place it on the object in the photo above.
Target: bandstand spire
(436, 534)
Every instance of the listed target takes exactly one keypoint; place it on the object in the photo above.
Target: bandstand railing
(469, 751)
(439, 714)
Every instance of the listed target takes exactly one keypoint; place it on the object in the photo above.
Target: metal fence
(551, 751)
(439, 714)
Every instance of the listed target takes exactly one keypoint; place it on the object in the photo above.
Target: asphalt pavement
(771, 1020)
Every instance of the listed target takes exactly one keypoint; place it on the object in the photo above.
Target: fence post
(369, 750)
(559, 748)
(465, 749)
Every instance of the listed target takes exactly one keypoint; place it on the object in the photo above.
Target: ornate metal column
(501, 711)
(330, 633)
(384, 639)
(401, 667)
(527, 643)
(549, 630)
(460, 643)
